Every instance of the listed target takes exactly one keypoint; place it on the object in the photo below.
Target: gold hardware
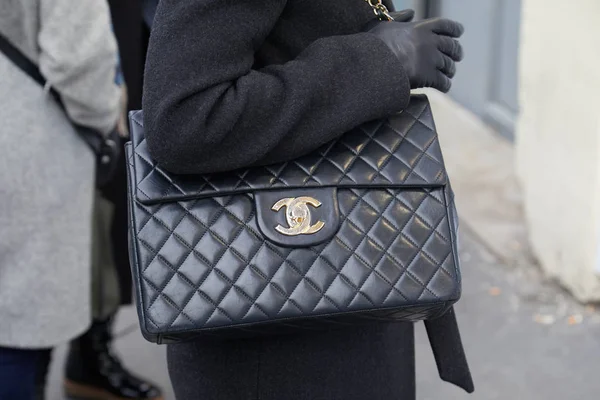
(380, 10)
(298, 216)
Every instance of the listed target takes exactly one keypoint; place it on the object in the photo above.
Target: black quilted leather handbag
(362, 229)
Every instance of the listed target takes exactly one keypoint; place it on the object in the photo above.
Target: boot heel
(76, 391)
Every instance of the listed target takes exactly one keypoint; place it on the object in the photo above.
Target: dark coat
(231, 83)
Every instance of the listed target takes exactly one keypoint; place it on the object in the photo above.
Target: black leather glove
(427, 49)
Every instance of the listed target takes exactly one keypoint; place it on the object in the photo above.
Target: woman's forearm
(206, 109)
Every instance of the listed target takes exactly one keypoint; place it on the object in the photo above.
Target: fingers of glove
(451, 47)
(442, 83)
(447, 66)
(403, 15)
(446, 27)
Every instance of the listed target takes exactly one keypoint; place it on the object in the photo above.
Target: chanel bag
(362, 229)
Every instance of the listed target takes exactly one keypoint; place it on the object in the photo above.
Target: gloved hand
(428, 49)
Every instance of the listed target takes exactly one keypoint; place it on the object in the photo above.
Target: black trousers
(374, 362)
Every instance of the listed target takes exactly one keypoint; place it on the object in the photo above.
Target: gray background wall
(487, 80)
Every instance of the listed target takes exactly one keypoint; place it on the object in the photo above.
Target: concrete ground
(526, 339)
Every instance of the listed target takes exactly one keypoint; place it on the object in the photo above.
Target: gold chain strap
(380, 10)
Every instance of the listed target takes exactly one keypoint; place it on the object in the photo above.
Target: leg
(370, 362)
(214, 370)
(42, 374)
(19, 373)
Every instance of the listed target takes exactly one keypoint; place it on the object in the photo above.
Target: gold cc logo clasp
(298, 216)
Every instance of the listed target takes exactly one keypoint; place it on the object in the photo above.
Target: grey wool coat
(46, 170)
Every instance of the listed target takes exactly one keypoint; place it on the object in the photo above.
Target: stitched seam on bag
(359, 198)
(435, 273)
(451, 246)
(323, 158)
(157, 251)
(279, 289)
(288, 297)
(419, 250)
(416, 120)
(343, 277)
(390, 151)
(226, 247)
(356, 156)
(175, 271)
(150, 213)
(452, 215)
(164, 297)
(423, 154)
(453, 234)
(368, 267)
(213, 266)
(244, 225)
(395, 194)
(407, 312)
(423, 151)
(272, 248)
(412, 168)
(249, 229)
(419, 115)
(434, 229)
(181, 275)
(317, 165)
(399, 233)
(217, 236)
(366, 235)
(172, 232)
(277, 175)
(131, 208)
(304, 278)
(242, 179)
(194, 252)
(167, 299)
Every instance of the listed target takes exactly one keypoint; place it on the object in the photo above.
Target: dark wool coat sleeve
(207, 108)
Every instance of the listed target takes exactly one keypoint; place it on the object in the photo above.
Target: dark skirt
(372, 362)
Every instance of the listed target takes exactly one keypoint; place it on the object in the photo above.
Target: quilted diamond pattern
(400, 151)
(201, 263)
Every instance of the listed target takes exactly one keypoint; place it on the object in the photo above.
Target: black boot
(94, 373)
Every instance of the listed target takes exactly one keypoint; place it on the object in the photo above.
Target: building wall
(558, 138)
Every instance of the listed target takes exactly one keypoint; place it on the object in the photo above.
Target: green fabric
(105, 283)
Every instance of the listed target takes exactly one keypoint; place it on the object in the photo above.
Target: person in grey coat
(47, 176)
(230, 84)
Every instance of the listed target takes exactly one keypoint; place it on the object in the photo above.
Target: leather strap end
(448, 351)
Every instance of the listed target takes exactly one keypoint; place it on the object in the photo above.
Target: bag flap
(402, 151)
